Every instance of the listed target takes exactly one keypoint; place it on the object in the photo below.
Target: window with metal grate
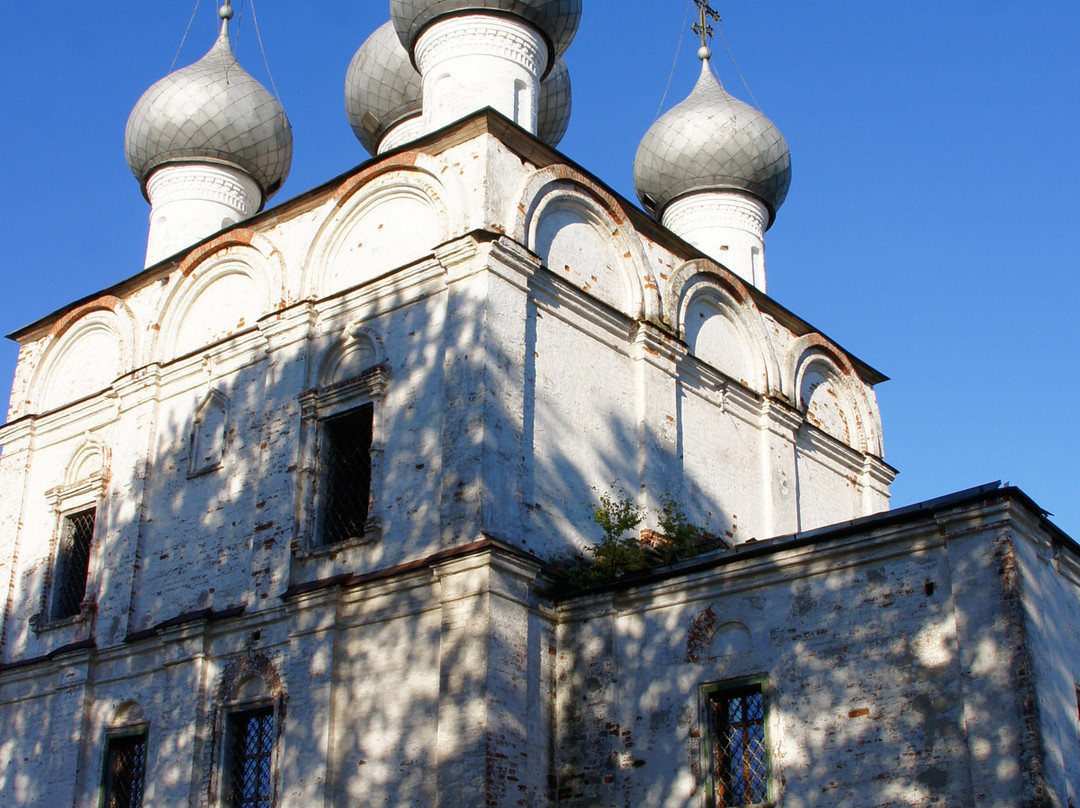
(72, 564)
(125, 771)
(249, 777)
(739, 764)
(346, 474)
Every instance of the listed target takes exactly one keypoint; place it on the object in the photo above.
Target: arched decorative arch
(716, 316)
(227, 292)
(577, 228)
(393, 219)
(250, 700)
(86, 351)
(824, 386)
(90, 461)
(356, 350)
(128, 713)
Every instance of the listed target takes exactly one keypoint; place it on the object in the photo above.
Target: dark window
(739, 762)
(347, 474)
(248, 758)
(125, 770)
(72, 565)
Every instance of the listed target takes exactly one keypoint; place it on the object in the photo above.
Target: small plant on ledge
(624, 547)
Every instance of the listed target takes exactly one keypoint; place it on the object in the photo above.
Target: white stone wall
(521, 373)
(890, 664)
(1050, 596)
(513, 391)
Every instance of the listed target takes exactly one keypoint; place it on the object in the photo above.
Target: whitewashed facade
(518, 338)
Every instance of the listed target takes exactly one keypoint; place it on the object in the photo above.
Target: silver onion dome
(382, 88)
(709, 142)
(557, 20)
(553, 104)
(211, 111)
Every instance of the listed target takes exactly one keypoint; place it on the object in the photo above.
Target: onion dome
(211, 111)
(553, 104)
(557, 20)
(382, 88)
(712, 142)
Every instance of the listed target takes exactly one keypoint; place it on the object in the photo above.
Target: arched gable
(85, 352)
(393, 219)
(225, 293)
(825, 387)
(583, 235)
(721, 325)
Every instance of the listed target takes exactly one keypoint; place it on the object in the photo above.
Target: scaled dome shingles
(557, 20)
(554, 104)
(712, 141)
(382, 81)
(211, 111)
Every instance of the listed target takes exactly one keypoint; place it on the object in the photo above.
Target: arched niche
(86, 353)
(582, 235)
(208, 432)
(722, 326)
(89, 461)
(127, 714)
(226, 293)
(826, 388)
(355, 351)
(713, 336)
(393, 220)
(824, 401)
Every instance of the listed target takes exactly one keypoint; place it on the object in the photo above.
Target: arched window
(341, 444)
(250, 718)
(124, 761)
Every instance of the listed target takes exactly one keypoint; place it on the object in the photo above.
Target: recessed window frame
(237, 720)
(249, 684)
(318, 410)
(112, 738)
(68, 502)
(710, 693)
(71, 563)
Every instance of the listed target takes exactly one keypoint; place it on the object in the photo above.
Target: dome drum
(556, 20)
(384, 96)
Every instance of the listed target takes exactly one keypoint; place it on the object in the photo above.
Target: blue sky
(929, 229)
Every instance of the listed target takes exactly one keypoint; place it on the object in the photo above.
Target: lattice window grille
(250, 758)
(125, 771)
(72, 564)
(347, 474)
(739, 758)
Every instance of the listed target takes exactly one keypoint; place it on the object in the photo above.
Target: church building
(461, 480)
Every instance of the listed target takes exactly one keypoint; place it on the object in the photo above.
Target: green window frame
(124, 770)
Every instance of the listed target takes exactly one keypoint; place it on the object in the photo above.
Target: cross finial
(703, 28)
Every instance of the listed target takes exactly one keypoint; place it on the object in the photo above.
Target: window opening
(347, 483)
(739, 764)
(125, 771)
(72, 564)
(249, 777)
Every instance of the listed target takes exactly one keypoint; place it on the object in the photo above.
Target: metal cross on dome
(702, 27)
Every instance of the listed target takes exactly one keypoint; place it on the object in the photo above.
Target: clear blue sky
(930, 228)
